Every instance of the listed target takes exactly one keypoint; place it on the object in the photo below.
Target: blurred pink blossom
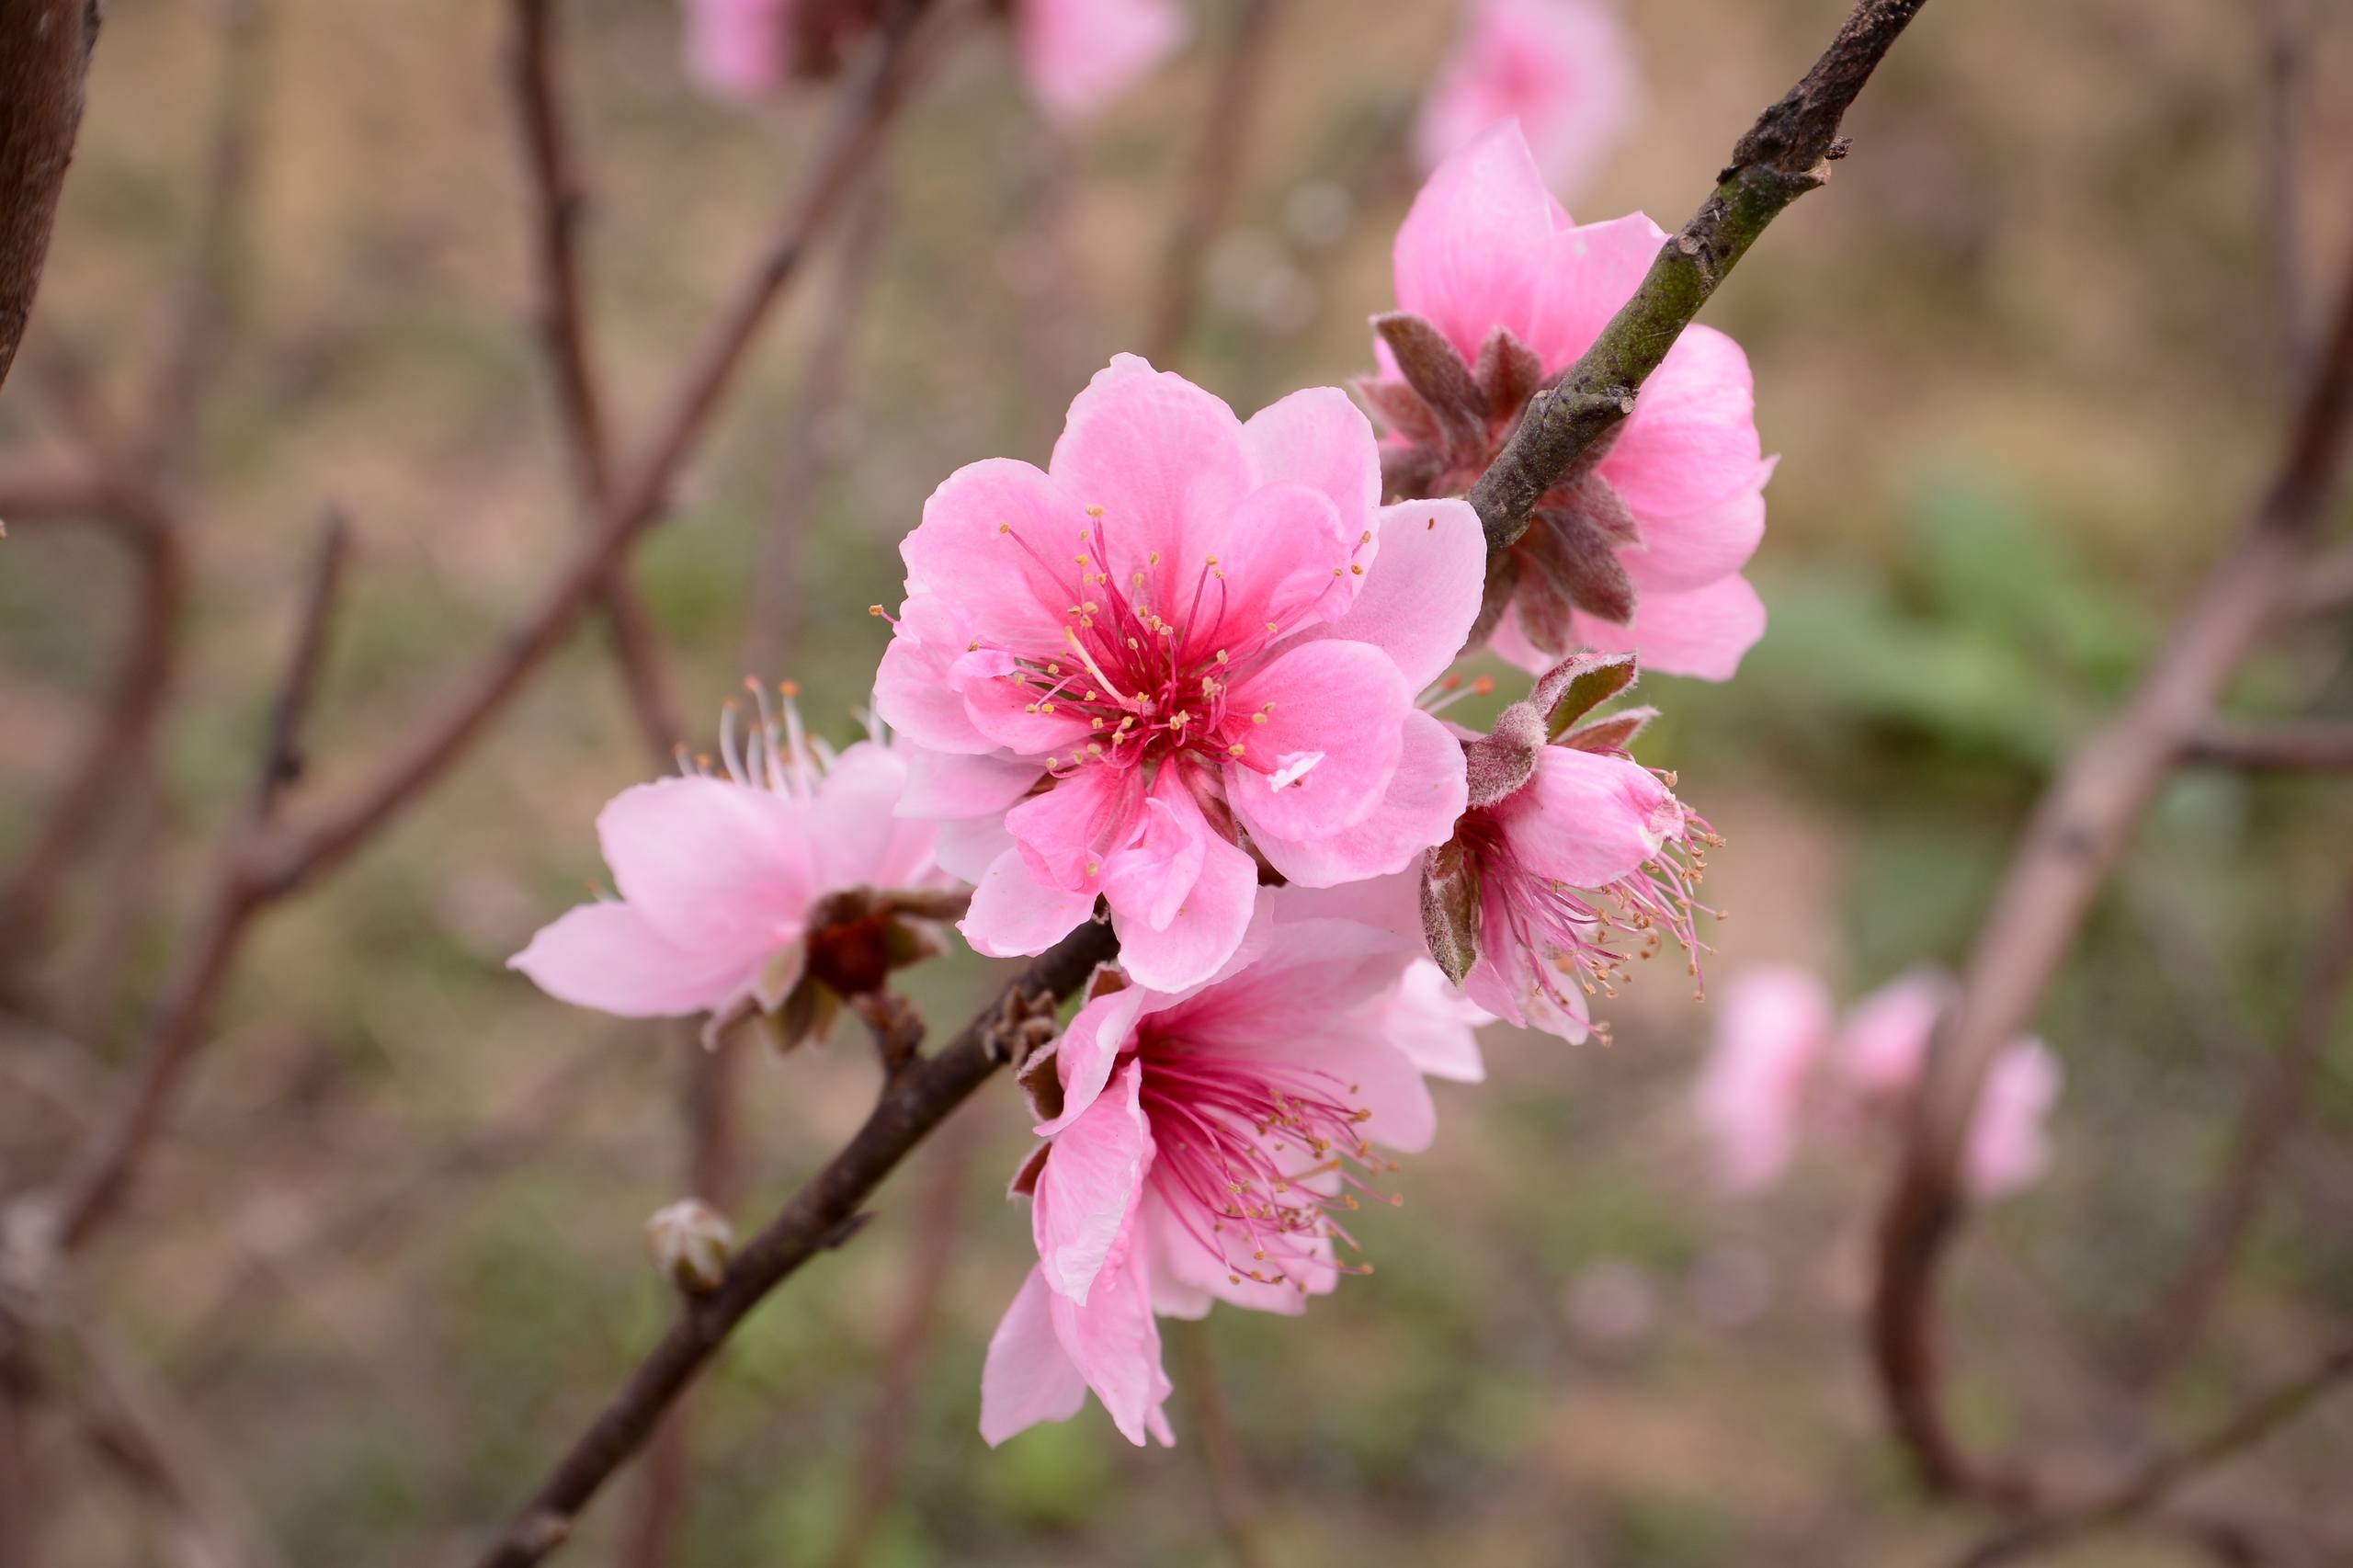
(1076, 55)
(1564, 69)
(1781, 1070)
(1641, 547)
(1185, 630)
(718, 877)
(1209, 1144)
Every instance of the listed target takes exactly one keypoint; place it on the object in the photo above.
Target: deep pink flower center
(1257, 1160)
(1151, 663)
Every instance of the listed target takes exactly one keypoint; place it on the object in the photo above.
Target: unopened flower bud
(691, 1244)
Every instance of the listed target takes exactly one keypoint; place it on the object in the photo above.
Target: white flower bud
(691, 1244)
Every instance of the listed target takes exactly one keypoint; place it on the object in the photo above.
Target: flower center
(1258, 1161)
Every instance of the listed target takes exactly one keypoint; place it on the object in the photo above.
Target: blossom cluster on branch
(1192, 677)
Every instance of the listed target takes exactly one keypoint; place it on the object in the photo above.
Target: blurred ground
(2021, 365)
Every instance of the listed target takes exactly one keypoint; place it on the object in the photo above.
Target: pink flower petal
(1115, 1345)
(1014, 915)
(1090, 1047)
(1704, 632)
(734, 48)
(1163, 459)
(1468, 255)
(1028, 1377)
(1426, 795)
(1587, 273)
(1069, 831)
(1586, 819)
(1679, 554)
(1209, 924)
(1691, 443)
(857, 836)
(1079, 54)
(1334, 713)
(1318, 438)
(994, 547)
(1883, 1045)
(942, 785)
(1436, 1025)
(913, 691)
(609, 957)
(1420, 597)
(1771, 1029)
(1563, 68)
(2008, 1150)
(1147, 882)
(710, 863)
(1086, 1193)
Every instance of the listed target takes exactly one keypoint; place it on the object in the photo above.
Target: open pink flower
(1206, 1145)
(1779, 1071)
(1570, 856)
(719, 877)
(1772, 1026)
(1076, 55)
(1564, 69)
(1187, 630)
(1641, 547)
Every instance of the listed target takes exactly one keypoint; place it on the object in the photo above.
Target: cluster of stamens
(1258, 1161)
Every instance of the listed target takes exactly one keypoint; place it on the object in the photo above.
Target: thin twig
(2326, 587)
(812, 444)
(1225, 138)
(1779, 158)
(2285, 39)
(906, 1350)
(2317, 745)
(557, 203)
(2079, 830)
(2149, 1488)
(823, 1211)
(95, 1180)
(1223, 1462)
(44, 60)
(666, 1478)
(2271, 1114)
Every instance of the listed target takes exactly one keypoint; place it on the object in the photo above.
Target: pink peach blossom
(1206, 1145)
(1076, 55)
(1188, 634)
(1772, 1026)
(1778, 1073)
(1641, 547)
(1564, 69)
(718, 877)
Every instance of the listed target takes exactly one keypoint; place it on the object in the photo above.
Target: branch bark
(911, 1105)
(1780, 157)
(2078, 833)
(44, 62)
(558, 201)
(2317, 745)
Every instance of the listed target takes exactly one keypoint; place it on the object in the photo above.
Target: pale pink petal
(1185, 1272)
(711, 863)
(995, 546)
(966, 848)
(1079, 54)
(1426, 796)
(1679, 554)
(1563, 68)
(1281, 558)
(2008, 1149)
(913, 691)
(1067, 831)
(1319, 438)
(1586, 819)
(1028, 1377)
(1470, 252)
(1086, 1193)
(1502, 983)
(944, 785)
(1209, 924)
(1587, 273)
(1436, 1025)
(1419, 599)
(1334, 733)
(1691, 441)
(1116, 1346)
(1771, 1027)
(1014, 915)
(1310, 972)
(854, 829)
(1165, 462)
(1883, 1045)
(1147, 882)
(1090, 1048)
(734, 48)
(1704, 632)
(609, 957)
